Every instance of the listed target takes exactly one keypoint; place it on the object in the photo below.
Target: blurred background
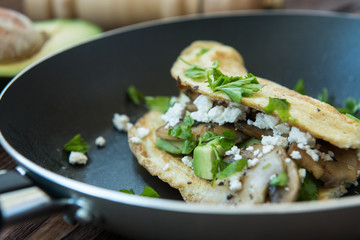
(115, 13)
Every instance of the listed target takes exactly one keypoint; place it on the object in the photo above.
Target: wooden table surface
(54, 227)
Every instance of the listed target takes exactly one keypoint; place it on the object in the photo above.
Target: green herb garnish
(352, 106)
(309, 190)
(299, 87)
(160, 103)
(232, 168)
(266, 166)
(324, 96)
(353, 117)
(280, 180)
(226, 141)
(249, 142)
(173, 147)
(77, 144)
(194, 71)
(281, 106)
(234, 87)
(147, 192)
(202, 52)
(183, 131)
(135, 95)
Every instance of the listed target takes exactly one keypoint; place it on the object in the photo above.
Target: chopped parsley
(266, 166)
(194, 71)
(202, 52)
(324, 96)
(281, 106)
(135, 95)
(77, 144)
(226, 141)
(184, 131)
(249, 142)
(234, 87)
(351, 106)
(299, 87)
(232, 168)
(160, 103)
(309, 190)
(147, 192)
(280, 180)
(353, 117)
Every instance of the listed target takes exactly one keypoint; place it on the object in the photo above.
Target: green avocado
(203, 159)
(62, 33)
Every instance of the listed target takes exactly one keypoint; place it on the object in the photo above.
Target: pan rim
(175, 205)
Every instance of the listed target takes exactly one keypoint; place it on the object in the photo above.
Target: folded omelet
(315, 140)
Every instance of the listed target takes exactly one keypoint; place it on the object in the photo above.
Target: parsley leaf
(232, 168)
(226, 141)
(352, 106)
(135, 95)
(234, 87)
(160, 103)
(194, 72)
(281, 106)
(353, 117)
(202, 52)
(280, 180)
(184, 131)
(299, 87)
(249, 142)
(324, 96)
(309, 190)
(147, 192)
(77, 144)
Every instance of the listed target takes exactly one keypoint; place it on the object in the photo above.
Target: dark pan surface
(79, 90)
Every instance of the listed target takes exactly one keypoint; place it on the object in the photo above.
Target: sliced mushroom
(18, 37)
(343, 169)
(252, 131)
(334, 192)
(256, 182)
(201, 129)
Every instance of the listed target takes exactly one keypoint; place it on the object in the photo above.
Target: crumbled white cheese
(120, 122)
(313, 154)
(142, 132)
(264, 121)
(128, 126)
(100, 141)
(281, 129)
(203, 103)
(256, 152)
(302, 146)
(287, 160)
(234, 150)
(173, 114)
(234, 181)
(266, 149)
(295, 155)
(166, 167)
(135, 140)
(200, 116)
(253, 162)
(77, 158)
(300, 137)
(216, 114)
(275, 140)
(260, 155)
(187, 161)
(302, 174)
(287, 189)
(249, 148)
(183, 98)
(327, 156)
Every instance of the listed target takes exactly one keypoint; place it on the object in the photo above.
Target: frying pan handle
(20, 200)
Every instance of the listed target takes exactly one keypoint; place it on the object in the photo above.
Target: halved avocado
(62, 33)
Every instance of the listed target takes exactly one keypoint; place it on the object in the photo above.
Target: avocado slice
(62, 33)
(203, 159)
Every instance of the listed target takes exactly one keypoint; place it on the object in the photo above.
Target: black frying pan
(79, 90)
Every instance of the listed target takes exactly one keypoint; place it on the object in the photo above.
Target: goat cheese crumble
(142, 132)
(173, 114)
(100, 141)
(295, 155)
(300, 137)
(121, 122)
(187, 161)
(77, 158)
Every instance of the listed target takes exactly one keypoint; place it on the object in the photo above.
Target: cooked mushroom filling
(274, 151)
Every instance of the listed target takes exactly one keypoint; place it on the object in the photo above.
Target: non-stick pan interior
(79, 90)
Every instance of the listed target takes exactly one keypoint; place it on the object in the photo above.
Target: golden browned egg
(18, 37)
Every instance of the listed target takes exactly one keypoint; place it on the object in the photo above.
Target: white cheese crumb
(281, 129)
(183, 98)
(272, 177)
(295, 155)
(266, 149)
(77, 158)
(264, 121)
(287, 189)
(260, 155)
(135, 140)
(166, 167)
(173, 114)
(275, 140)
(313, 154)
(142, 132)
(120, 122)
(203, 103)
(233, 151)
(302, 174)
(287, 160)
(128, 126)
(100, 141)
(253, 162)
(187, 161)
(249, 148)
(256, 152)
(298, 136)
(234, 181)
(216, 114)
